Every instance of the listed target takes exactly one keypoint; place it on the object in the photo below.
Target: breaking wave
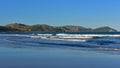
(99, 41)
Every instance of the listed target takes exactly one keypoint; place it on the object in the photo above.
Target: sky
(87, 13)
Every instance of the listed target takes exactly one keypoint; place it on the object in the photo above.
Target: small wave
(62, 43)
(74, 40)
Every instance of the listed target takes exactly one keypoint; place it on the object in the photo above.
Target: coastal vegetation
(47, 28)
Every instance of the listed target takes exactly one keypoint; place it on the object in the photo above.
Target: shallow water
(31, 55)
(56, 58)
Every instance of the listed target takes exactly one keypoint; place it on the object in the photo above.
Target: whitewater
(99, 41)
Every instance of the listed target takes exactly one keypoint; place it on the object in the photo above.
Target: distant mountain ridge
(47, 28)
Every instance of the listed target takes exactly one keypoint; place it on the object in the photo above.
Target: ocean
(59, 50)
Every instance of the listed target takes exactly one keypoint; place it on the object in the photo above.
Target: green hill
(104, 29)
(48, 28)
(19, 27)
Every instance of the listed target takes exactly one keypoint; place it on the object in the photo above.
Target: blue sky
(88, 13)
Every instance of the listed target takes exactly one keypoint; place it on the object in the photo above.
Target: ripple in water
(101, 44)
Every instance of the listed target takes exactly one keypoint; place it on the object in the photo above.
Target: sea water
(22, 54)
